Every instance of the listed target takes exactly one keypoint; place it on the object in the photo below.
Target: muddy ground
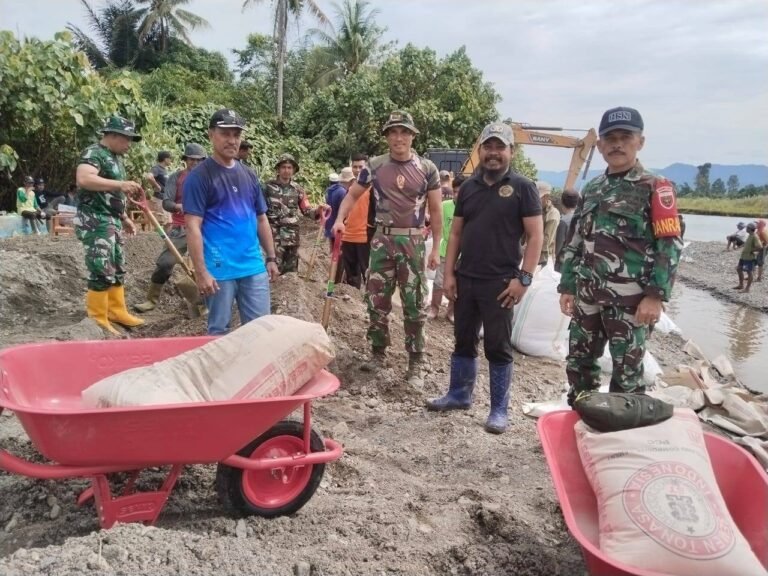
(415, 493)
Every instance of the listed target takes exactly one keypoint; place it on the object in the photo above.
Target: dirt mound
(415, 493)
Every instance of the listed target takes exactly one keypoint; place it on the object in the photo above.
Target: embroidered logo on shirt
(400, 181)
(506, 191)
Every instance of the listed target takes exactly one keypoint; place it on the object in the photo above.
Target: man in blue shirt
(227, 227)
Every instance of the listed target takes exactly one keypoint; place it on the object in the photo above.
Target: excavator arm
(583, 148)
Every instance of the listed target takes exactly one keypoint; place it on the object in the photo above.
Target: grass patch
(754, 207)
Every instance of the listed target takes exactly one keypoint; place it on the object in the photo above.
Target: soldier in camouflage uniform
(619, 261)
(402, 183)
(101, 216)
(285, 200)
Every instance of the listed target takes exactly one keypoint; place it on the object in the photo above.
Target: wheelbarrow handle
(15, 465)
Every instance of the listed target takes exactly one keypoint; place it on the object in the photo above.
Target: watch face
(525, 280)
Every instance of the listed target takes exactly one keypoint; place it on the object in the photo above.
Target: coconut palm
(353, 42)
(113, 40)
(169, 19)
(282, 10)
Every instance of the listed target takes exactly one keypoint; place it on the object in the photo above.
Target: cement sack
(267, 357)
(659, 504)
(539, 328)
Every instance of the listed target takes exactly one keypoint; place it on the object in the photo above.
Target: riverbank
(708, 266)
(754, 207)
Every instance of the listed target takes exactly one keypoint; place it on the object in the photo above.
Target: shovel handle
(168, 242)
(331, 282)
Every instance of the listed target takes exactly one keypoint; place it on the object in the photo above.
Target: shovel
(188, 286)
(324, 215)
(331, 282)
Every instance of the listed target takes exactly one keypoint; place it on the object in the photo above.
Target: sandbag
(660, 506)
(267, 357)
(651, 368)
(539, 328)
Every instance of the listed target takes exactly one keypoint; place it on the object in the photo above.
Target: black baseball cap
(621, 118)
(226, 118)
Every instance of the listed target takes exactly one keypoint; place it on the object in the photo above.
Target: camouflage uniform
(284, 203)
(616, 256)
(397, 249)
(98, 225)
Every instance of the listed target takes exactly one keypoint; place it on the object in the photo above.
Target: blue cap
(621, 118)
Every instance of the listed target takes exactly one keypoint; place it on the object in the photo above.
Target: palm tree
(353, 43)
(282, 9)
(170, 19)
(113, 41)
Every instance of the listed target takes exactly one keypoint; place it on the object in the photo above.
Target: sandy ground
(415, 493)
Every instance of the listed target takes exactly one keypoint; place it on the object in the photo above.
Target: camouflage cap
(194, 151)
(287, 158)
(119, 125)
(500, 131)
(399, 118)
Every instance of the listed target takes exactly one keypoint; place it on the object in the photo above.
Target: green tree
(52, 105)
(113, 40)
(718, 188)
(167, 18)
(685, 190)
(282, 10)
(702, 185)
(733, 184)
(352, 44)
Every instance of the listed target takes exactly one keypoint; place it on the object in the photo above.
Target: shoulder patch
(664, 217)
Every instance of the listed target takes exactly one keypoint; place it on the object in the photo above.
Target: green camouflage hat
(119, 125)
(287, 158)
(399, 118)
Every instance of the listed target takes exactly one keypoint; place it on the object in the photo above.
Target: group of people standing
(619, 259)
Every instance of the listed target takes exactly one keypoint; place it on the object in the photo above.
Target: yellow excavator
(525, 134)
(460, 161)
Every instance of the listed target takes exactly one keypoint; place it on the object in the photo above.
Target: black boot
(459, 396)
(501, 379)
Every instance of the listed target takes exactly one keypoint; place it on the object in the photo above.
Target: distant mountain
(756, 174)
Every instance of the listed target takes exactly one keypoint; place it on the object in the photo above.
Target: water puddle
(718, 327)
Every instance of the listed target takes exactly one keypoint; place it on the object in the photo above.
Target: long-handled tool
(187, 289)
(324, 215)
(331, 282)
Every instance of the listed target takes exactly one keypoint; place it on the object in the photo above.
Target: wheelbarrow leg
(130, 506)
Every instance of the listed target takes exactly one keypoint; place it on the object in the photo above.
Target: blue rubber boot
(459, 397)
(501, 379)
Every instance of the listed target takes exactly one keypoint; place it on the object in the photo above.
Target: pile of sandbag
(267, 357)
(540, 329)
(732, 408)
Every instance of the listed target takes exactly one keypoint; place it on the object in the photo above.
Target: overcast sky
(696, 70)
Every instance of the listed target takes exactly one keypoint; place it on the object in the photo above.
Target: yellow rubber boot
(96, 303)
(118, 312)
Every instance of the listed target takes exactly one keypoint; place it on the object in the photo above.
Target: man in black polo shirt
(495, 207)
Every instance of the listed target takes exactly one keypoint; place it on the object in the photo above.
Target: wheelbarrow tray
(743, 484)
(42, 384)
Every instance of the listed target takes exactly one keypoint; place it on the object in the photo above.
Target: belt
(391, 231)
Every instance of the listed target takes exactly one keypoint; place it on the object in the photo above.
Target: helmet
(287, 158)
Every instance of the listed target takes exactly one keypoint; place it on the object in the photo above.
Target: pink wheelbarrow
(743, 484)
(267, 466)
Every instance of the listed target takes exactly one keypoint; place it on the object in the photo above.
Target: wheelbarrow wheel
(275, 492)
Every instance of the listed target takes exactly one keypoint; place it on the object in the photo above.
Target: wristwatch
(525, 278)
(271, 259)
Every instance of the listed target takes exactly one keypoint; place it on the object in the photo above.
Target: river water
(702, 228)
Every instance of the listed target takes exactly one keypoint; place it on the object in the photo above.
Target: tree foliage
(52, 105)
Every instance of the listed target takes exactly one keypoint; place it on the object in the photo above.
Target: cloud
(696, 70)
